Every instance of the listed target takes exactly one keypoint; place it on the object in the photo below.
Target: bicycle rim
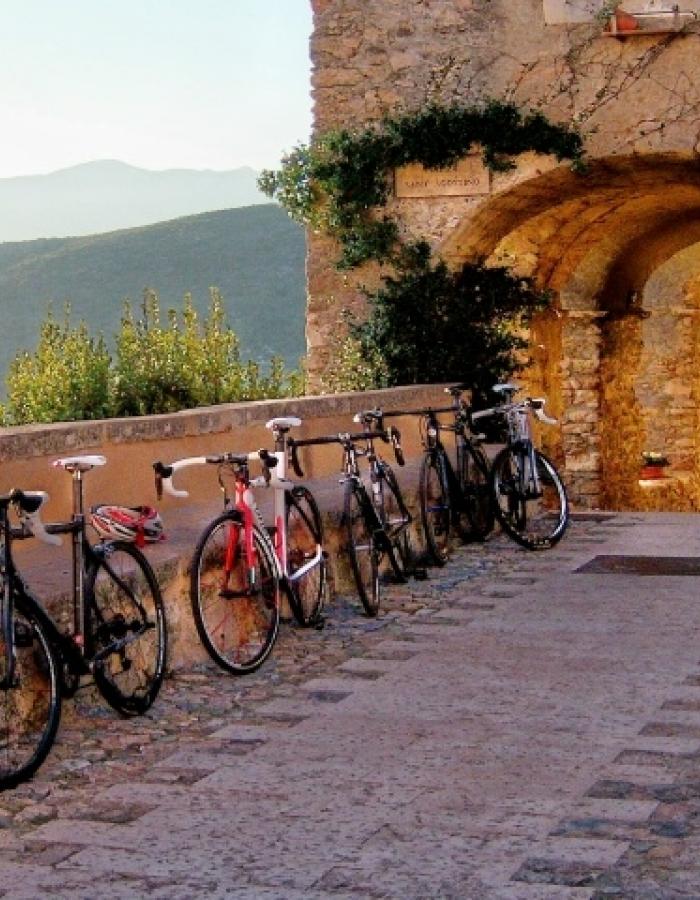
(434, 497)
(476, 492)
(362, 547)
(30, 708)
(304, 539)
(235, 600)
(396, 520)
(536, 520)
(127, 627)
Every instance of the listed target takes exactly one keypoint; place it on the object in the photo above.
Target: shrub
(164, 362)
(65, 379)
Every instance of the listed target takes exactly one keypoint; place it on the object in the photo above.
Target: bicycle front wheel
(476, 493)
(234, 590)
(363, 550)
(534, 518)
(307, 564)
(30, 706)
(435, 507)
(127, 634)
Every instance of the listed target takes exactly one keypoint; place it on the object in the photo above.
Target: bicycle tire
(536, 523)
(395, 520)
(362, 547)
(235, 602)
(125, 612)
(304, 536)
(30, 709)
(435, 506)
(476, 493)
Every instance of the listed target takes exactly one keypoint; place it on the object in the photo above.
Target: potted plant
(653, 465)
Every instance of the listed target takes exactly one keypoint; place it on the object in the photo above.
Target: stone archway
(617, 355)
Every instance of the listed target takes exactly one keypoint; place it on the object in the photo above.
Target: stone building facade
(618, 246)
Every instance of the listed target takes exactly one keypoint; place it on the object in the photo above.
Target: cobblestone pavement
(509, 728)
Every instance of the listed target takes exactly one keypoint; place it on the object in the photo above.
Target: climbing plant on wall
(340, 183)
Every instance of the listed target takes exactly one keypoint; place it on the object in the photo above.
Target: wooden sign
(469, 177)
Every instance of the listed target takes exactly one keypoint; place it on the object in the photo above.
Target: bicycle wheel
(476, 493)
(396, 520)
(435, 507)
(304, 538)
(362, 545)
(30, 707)
(126, 620)
(536, 520)
(235, 594)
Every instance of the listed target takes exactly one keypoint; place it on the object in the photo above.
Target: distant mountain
(105, 195)
(255, 255)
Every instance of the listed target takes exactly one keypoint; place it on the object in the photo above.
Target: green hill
(255, 255)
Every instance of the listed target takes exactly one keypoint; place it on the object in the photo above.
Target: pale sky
(205, 84)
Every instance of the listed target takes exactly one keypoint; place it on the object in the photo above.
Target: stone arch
(619, 247)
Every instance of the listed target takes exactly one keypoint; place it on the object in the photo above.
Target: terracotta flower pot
(624, 21)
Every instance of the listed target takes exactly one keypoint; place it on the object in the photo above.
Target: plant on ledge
(425, 323)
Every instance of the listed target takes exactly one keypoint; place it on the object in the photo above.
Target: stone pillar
(580, 371)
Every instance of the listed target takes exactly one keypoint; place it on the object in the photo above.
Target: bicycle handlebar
(388, 435)
(164, 472)
(535, 404)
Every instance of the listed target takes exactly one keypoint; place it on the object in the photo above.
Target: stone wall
(605, 243)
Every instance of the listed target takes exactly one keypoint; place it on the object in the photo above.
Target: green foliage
(179, 362)
(163, 363)
(65, 379)
(336, 183)
(432, 325)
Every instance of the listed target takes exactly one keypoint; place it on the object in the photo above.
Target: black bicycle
(453, 498)
(376, 521)
(529, 496)
(118, 634)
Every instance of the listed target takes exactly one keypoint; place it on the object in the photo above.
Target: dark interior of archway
(637, 260)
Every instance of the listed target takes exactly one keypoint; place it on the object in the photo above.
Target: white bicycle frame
(517, 416)
(277, 481)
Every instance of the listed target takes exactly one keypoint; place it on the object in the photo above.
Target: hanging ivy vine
(340, 184)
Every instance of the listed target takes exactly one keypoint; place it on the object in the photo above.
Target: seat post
(78, 561)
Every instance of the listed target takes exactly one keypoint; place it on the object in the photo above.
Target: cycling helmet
(140, 524)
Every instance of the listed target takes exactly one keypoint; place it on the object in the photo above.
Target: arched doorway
(617, 355)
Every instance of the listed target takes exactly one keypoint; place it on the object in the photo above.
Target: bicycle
(118, 632)
(452, 498)
(376, 522)
(240, 565)
(529, 496)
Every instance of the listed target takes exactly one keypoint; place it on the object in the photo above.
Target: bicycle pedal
(320, 624)
(420, 574)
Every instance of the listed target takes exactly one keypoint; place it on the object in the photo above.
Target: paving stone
(456, 743)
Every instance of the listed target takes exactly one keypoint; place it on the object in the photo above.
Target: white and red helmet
(139, 524)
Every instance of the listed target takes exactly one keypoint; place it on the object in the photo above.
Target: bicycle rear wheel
(234, 591)
(435, 506)
(304, 539)
(536, 520)
(127, 634)
(363, 551)
(476, 493)
(396, 520)
(30, 706)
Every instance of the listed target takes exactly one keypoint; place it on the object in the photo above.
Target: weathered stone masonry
(619, 246)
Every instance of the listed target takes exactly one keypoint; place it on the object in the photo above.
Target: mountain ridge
(108, 195)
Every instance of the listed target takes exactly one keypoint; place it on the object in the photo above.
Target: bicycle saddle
(79, 463)
(284, 423)
(505, 388)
